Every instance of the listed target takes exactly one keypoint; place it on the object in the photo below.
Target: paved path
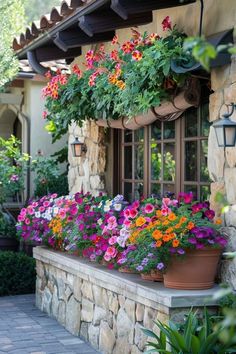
(26, 330)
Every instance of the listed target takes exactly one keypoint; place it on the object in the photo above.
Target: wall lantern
(226, 129)
(78, 148)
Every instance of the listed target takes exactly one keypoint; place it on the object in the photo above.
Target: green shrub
(17, 273)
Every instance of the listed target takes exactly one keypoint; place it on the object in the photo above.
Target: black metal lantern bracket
(225, 128)
(78, 148)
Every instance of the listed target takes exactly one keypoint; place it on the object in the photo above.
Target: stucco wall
(33, 107)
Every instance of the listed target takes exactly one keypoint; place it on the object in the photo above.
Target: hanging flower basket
(196, 271)
(168, 110)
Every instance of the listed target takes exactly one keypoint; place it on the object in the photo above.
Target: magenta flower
(210, 214)
(149, 208)
(112, 240)
(166, 24)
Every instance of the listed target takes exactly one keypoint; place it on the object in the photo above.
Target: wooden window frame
(179, 140)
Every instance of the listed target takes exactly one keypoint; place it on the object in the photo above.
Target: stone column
(87, 172)
(222, 161)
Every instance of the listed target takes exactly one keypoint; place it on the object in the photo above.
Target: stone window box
(106, 307)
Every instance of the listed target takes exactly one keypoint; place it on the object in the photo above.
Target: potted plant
(13, 169)
(125, 88)
(189, 243)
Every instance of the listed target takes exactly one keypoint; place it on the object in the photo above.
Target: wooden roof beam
(54, 53)
(107, 20)
(124, 8)
(73, 38)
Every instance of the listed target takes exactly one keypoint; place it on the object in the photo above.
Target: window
(166, 157)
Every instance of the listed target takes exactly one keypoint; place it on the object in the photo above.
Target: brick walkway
(26, 330)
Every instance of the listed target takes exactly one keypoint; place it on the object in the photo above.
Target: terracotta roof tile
(47, 21)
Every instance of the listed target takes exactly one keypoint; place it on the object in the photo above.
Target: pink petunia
(133, 213)
(149, 208)
(27, 221)
(112, 240)
(62, 213)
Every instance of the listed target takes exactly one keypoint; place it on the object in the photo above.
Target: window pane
(191, 122)
(156, 161)
(168, 190)
(138, 162)
(138, 190)
(156, 130)
(205, 193)
(128, 162)
(169, 130)
(128, 191)
(203, 161)
(190, 161)
(192, 189)
(156, 190)
(169, 162)
(205, 124)
(139, 135)
(128, 136)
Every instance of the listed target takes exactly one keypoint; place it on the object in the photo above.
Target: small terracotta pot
(154, 275)
(197, 270)
(126, 270)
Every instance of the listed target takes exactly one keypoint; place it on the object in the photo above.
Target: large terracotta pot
(197, 270)
(154, 275)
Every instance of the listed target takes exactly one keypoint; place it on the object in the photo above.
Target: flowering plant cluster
(131, 78)
(142, 236)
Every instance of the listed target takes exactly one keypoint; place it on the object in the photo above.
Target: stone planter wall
(222, 162)
(105, 307)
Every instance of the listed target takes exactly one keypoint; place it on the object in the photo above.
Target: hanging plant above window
(135, 76)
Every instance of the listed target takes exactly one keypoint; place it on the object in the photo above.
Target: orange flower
(171, 217)
(169, 230)
(112, 79)
(175, 243)
(158, 244)
(157, 234)
(137, 55)
(166, 238)
(158, 213)
(218, 221)
(190, 225)
(173, 235)
(177, 226)
(140, 221)
(165, 223)
(183, 219)
(120, 84)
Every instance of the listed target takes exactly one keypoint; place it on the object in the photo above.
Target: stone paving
(26, 330)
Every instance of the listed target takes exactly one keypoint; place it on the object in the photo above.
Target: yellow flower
(140, 221)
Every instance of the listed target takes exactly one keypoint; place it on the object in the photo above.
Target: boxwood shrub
(17, 273)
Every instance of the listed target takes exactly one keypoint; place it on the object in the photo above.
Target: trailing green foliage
(196, 336)
(17, 273)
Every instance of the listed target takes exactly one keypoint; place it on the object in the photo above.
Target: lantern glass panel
(229, 136)
(220, 135)
(78, 149)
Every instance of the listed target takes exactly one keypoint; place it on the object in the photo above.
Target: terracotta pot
(154, 275)
(126, 270)
(197, 270)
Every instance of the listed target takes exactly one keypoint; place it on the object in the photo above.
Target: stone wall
(87, 172)
(222, 161)
(105, 307)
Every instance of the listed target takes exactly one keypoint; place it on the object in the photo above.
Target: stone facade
(87, 172)
(108, 314)
(222, 162)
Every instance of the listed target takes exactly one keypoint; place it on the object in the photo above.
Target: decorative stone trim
(106, 307)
